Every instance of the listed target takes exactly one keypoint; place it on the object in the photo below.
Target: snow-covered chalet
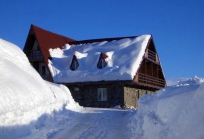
(98, 72)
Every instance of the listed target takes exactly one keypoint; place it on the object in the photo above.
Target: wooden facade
(37, 46)
(150, 72)
(148, 78)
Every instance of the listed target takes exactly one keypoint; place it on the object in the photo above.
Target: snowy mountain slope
(24, 95)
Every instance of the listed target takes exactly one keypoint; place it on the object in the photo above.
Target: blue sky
(177, 26)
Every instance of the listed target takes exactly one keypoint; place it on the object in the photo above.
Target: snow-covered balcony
(34, 55)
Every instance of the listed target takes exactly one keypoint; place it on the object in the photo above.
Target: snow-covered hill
(31, 108)
(25, 98)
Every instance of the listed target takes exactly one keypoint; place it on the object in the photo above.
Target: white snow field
(31, 108)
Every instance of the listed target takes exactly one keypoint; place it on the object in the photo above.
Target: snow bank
(24, 95)
(175, 112)
(124, 57)
(175, 81)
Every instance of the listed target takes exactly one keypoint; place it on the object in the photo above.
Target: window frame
(74, 64)
(102, 62)
(102, 94)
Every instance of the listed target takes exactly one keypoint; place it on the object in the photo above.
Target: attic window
(74, 64)
(102, 63)
(36, 46)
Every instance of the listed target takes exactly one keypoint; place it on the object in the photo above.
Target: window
(102, 94)
(74, 64)
(36, 46)
(102, 63)
(76, 89)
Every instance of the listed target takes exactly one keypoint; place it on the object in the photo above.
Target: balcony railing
(34, 55)
(151, 55)
(151, 81)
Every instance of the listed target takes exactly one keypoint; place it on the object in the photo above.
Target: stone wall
(86, 95)
(117, 94)
(131, 96)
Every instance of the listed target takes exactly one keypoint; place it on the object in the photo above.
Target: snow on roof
(124, 58)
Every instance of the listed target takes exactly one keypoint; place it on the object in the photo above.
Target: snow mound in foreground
(174, 112)
(24, 95)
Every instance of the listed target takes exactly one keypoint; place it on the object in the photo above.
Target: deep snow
(25, 98)
(32, 108)
(175, 112)
(124, 57)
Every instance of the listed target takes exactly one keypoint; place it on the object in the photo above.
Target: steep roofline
(49, 40)
(36, 27)
(150, 40)
(158, 57)
(99, 40)
(46, 40)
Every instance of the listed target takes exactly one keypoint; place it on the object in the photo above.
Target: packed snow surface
(124, 57)
(32, 108)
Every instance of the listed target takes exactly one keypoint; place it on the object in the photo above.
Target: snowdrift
(176, 112)
(24, 95)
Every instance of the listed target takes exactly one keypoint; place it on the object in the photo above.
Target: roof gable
(150, 71)
(45, 39)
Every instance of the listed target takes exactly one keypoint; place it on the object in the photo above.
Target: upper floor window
(74, 64)
(36, 46)
(102, 63)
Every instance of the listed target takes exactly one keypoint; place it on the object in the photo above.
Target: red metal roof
(46, 40)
